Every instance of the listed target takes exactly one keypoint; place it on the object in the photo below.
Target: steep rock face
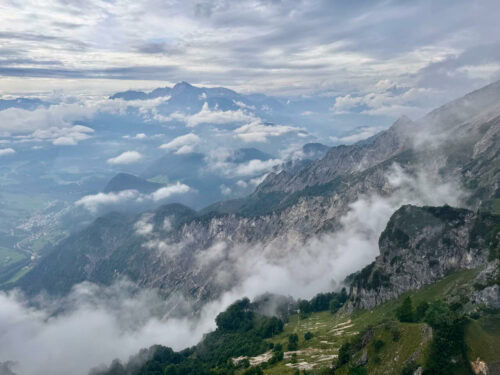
(421, 245)
(343, 160)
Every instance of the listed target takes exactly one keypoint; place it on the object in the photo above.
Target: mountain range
(179, 250)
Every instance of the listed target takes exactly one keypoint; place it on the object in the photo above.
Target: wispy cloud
(183, 144)
(256, 131)
(127, 157)
(7, 151)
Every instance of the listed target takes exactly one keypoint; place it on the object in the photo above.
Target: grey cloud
(27, 61)
(158, 48)
(304, 46)
(129, 73)
(42, 38)
(451, 73)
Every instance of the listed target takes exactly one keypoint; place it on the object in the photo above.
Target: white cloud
(388, 99)
(361, 134)
(168, 191)
(256, 166)
(225, 190)
(242, 184)
(61, 115)
(122, 319)
(127, 157)
(137, 136)
(243, 105)
(345, 104)
(95, 202)
(208, 116)
(144, 227)
(216, 116)
(253, 182)
(183, 144)
(256, 131)
(59, 136)
(7, 151)
(258, 180)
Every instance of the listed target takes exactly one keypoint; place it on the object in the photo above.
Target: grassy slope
(482, 339)
(496, 206)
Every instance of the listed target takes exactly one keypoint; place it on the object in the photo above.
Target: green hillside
(331, 331)
(442, 338)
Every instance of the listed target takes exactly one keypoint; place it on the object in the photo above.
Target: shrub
(409, 368)
(308, 336)
(359, 370)
(396, 334)
(420, 311)
(377, 345)
(293, 342)
(405, 311)
(344, 355)
(447, 350)
(254, 371)
(277, 347)
(277, 357)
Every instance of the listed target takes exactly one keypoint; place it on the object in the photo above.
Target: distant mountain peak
(403, 120)
(183, 84)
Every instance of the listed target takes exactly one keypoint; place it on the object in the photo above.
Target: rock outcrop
(421, 245)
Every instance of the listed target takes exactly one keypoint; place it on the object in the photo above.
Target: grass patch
(495, 206)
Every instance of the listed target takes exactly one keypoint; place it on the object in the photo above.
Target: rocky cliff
(421, 245)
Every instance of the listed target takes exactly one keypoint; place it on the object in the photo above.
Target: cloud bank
(132, 198)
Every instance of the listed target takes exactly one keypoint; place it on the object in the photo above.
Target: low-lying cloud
(217, 116)
(127, 157)
(7, 151)
(256, 166)
(95, 202)
(256, 131)
(359, 135)
(183, 144)
(100, 324)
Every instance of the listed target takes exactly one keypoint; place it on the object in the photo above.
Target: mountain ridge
(309, 203)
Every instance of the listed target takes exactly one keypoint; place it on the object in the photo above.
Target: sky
(355, 49)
